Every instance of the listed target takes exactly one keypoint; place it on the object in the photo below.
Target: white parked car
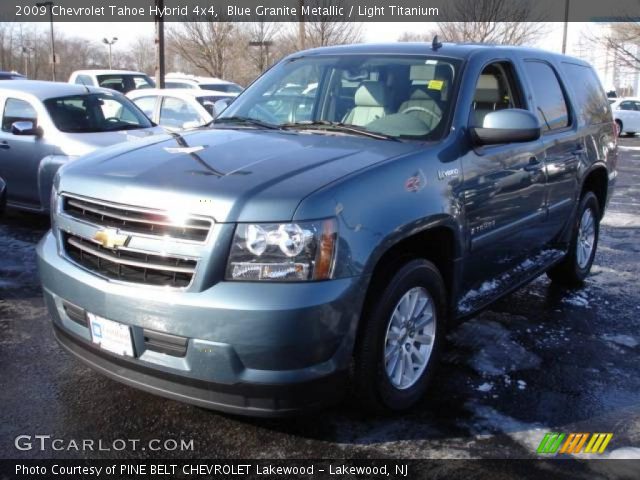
(626, 113)
(44, 125)
(179, 108)
(122, 81)
(182, 80)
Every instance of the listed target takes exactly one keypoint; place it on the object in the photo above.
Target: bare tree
(483, 21)
(623, 39)
(143, 54)
(205, 46)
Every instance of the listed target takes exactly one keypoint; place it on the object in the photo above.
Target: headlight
(289, 252)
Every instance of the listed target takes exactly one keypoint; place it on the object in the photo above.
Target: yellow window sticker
(435, 84)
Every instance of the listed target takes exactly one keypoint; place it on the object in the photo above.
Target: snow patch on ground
(495, 352)
(577, 299)
(485, 387)
(489, 420)
(621, 220)
(624, 340)
(625, 453)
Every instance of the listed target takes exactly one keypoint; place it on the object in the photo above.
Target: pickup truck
(318, 241)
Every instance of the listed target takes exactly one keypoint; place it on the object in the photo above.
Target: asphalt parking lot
(543, 359)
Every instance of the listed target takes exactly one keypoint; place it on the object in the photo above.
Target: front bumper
(258, 349)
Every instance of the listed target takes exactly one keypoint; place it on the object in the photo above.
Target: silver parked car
(179, 108)
(46, 124)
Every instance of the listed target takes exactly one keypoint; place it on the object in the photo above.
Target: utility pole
(566, 26)
(301, 29)
(159, 40)
(49, 5)
(109, 43)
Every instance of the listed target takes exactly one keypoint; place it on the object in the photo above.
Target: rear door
(564, 144)
(504, 185)
(20, 155)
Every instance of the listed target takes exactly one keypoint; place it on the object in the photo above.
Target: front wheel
(576, 265)
(400, 338)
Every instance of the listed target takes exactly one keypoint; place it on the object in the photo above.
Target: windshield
(124, 83)
(95, 112)
(393, 95)
(222, 87)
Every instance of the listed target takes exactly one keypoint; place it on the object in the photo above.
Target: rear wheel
(400, 338)
(576, 265)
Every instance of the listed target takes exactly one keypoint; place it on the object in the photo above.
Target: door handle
(533, 165)
(4, 145)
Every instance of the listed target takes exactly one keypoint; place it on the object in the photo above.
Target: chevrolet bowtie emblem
(110, 238)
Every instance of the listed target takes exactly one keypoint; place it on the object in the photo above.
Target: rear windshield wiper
(246, 121)
(339, 126)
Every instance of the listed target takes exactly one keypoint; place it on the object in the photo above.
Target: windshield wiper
(245, 120)
(339, 126)
(127, 126)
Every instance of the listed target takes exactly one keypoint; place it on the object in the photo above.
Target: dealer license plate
(112, 336)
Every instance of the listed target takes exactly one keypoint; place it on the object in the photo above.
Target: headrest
(487, 89)
(419, 93)
(370, 94)
(421, 72)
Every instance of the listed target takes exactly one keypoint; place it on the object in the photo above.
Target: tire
(619, 126)
(374, 389)
(630, 134)
(576, 265)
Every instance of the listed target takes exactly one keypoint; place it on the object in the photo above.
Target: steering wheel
(421, 109)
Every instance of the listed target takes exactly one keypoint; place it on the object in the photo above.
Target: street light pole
(264, 59)
(49, 5)
(109, 43)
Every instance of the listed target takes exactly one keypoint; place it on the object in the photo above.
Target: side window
(593, 104)
(636, 105)
(175, 112)
(496, 89)
(17, 111)
(146, 104)
(550, 100)
(627, 105)
(84, 80)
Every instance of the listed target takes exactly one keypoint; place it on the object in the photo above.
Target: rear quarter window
(592, 103)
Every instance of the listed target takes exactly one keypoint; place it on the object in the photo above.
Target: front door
(20, 155)
(504, 187)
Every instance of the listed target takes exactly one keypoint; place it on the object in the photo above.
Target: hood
(228, 174)
(76, 144)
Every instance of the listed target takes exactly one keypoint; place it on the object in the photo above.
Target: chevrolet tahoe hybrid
(316, 240)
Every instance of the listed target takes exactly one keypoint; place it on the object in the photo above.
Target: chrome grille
(136, 221)
(128, 265)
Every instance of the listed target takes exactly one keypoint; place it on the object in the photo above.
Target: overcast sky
(378, 32)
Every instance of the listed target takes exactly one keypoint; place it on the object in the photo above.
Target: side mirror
(511, 125)
(24, 127)
(220, 106)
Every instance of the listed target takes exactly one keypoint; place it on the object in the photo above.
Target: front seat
(487, 98)
(427, 104)
(370, 104)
